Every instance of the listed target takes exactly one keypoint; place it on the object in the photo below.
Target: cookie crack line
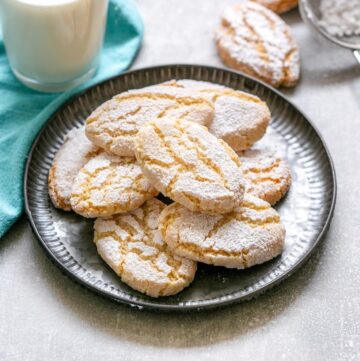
(124, 250)
(261, 49)
(92, 118)
(146, 238)
(256, 168)
(197, 146)
(184, 166)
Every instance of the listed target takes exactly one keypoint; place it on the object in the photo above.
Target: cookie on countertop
(253, 39)
(250, 235)
(190, 165)
(114, 124)
(240, 118)
(132, 246)
(278, 6)
(76, 151)
(108, 185)
(268, 175)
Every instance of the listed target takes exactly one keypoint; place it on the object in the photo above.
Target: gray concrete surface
(314, 315)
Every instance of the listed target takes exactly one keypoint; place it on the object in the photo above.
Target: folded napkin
(23, 111)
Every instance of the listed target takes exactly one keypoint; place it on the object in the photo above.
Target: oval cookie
(278, 6)
(268, 176)
(191, 166)
(253, 39)
(243, 238)
(132, 246)
(115, 123)
(108, 185)
(240, 118)
(76, 151)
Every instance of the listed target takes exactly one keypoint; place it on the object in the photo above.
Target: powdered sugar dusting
(115, 123)
(109, 184)
(240, 118)
(191, 166)
(256, 40)
(74, 153)
(139, 255)
(250, 235)
(267, 174)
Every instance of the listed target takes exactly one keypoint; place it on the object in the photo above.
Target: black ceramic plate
(306, 211)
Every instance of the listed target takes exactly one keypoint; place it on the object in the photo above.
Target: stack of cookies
(193, 142)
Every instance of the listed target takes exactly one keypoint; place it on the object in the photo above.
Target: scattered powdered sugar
(340, 17)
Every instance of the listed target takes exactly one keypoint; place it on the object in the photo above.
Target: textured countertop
(314, 315)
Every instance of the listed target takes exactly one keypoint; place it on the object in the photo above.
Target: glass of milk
(53, 45)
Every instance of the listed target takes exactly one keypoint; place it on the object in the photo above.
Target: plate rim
(208, 304)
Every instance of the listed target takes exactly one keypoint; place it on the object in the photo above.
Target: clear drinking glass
(53, 45)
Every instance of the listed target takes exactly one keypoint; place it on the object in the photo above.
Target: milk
(53, 44)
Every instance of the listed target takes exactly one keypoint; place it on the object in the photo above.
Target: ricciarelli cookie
(278, 6)
(268, 176)
(76, 151)
(132, 246)
(114, 124)
(190, 165)
(240, 118)
(253, 39)
(108, 185)
(250, 235)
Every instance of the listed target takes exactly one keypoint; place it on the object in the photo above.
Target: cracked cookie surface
(278, 6)
(253, 39)
(132, 246)
(76, 151)
(240, 118)
(267, 175)
(108, 185)
(250, 235)
(190, 165)
(114, 124)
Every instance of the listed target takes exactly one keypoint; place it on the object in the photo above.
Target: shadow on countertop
(177, 330)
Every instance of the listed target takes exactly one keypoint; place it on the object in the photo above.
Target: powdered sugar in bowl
(336, 20)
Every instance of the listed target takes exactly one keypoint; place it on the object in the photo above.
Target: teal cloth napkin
(23, 112)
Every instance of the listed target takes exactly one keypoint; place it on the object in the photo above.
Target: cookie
(250, 235)
(132, 246)
(253, 39)
(190, 165)
(240, 118)
(108, 185)
(76, 151)
(278, 6)
(115, 123)
(268, 176)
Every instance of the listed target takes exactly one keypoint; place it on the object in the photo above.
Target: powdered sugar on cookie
(250, 235)
(76, 151)
(240, 118)
(255, 40)
(115, 123)
(267, 174)
(191, 166)
(132, 246)
(108, 185)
